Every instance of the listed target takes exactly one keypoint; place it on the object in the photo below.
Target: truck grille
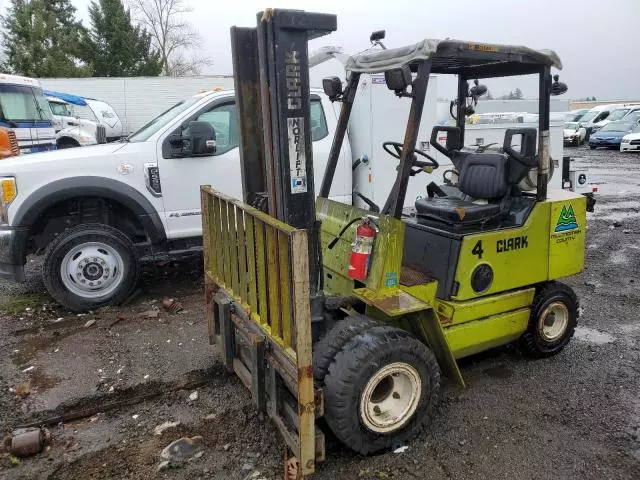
(101, 134)
(13, 142)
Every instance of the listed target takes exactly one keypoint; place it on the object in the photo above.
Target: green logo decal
(567, 220)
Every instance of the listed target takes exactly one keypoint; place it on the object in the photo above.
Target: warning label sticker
(297, 155)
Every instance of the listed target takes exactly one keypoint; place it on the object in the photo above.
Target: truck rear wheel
(381, 388)
(554, 316)
(90, 266)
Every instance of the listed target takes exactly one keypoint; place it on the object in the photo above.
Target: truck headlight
(8, 194)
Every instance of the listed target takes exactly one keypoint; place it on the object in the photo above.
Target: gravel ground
(574, 416)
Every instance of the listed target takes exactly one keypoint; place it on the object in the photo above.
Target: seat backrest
(484, 175)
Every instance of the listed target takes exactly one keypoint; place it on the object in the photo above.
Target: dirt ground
(574, 416)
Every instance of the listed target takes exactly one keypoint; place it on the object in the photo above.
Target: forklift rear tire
(554, 316)
(326, 349)
(381, 389)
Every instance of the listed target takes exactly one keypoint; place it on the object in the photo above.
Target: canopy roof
(457, 56)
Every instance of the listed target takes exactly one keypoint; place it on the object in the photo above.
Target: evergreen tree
(117, 48)
(42, 38)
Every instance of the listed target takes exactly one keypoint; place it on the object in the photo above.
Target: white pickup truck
(98, 212)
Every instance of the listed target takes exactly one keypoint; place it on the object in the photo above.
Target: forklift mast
(271, 77)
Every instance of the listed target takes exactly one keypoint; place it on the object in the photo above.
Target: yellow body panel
(548, 246)
(454, 312)
(473, 337)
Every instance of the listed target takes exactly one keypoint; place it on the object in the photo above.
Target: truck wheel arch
(39, 201)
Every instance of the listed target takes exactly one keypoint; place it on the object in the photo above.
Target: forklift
(343, 318)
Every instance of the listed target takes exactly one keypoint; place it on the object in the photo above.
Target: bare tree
(172, 36)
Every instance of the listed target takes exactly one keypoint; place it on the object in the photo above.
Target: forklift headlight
(398, 79)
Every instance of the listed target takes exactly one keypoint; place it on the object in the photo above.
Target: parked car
(631, 141)
(574, 133)
(71, 130)
(610, 135)
(597, 114)
(615, 115)
(575, 115)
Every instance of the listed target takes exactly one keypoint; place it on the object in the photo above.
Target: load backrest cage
(258, 312)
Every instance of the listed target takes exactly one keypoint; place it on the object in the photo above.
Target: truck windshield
(21, 103)
(161, 120)
(590, 115)
(618, 114)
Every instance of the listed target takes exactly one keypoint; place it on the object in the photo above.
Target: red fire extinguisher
(360, 259)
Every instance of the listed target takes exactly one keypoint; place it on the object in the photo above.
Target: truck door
(181, 177)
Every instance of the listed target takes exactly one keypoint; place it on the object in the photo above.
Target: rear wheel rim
(390, 397)
(553, 322)
(92, 270)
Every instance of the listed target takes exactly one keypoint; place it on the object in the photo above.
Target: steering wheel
(432, 163)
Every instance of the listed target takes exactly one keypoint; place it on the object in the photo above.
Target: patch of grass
(19, 305)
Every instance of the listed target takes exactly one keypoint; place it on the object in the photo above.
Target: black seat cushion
(456, 210)
(484, 175)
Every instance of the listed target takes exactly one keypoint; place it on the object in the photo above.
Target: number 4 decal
(477, 249)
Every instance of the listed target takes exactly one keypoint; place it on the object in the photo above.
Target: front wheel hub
(390, 398)
(553, 322)
(92, 270)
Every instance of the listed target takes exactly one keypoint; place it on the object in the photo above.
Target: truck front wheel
(381, 388)
(90, 266)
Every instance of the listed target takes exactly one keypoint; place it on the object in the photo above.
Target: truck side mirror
(557, 87)
(197, 140)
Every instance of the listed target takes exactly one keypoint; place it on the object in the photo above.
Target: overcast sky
(597, 40)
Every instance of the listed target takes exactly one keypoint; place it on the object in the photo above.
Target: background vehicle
(129, 202)
(574, 133)
(575, 115)
(25, 111)
(71, 130)
(597, 114)
(610, 136)
(631, 141)
(107, 118)
(615, 115)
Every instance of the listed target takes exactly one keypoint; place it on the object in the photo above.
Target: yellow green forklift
(330, 311)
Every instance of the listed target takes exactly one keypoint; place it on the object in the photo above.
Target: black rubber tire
(67, 143)
(355, 364)
(532, 343)
(326, 349)
(576, 142)
(86, 233)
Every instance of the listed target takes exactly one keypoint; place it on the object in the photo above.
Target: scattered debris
(28, 369)
(135, 417)
(23, 390)
(58, 320)
(150, 313)
(171, 305)
(120, 317)
(194, 396)
(226, 447)
(159, 430)
(255, 475)
(25, 442)
(247, 466)
(181, 450)
(462, 443)
(119, 370)
(211, 416)
(89, 323)
(164, 465)
(145, 377)
(402, 449)
(627, 232)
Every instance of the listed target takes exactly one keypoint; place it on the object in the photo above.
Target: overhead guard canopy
(457, 56)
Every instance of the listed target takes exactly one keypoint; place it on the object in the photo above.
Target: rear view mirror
(398, 79)
(477, 90)
(332, 87)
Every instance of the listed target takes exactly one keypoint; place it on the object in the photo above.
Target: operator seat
(482, 176)
(489, 178)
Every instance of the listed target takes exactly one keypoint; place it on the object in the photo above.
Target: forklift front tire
(381, 389)
(334, 341)
(554, 316)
